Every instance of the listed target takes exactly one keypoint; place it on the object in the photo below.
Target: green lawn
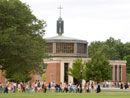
(72, 95)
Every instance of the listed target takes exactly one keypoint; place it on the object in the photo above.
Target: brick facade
(124, 74)
(53, 72)
(2, 78)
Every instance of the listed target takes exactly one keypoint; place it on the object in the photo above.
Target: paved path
(115, 89)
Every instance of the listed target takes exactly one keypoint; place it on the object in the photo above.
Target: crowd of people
(120, 85)
(42, 86)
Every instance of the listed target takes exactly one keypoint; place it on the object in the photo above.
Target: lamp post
(81, 80)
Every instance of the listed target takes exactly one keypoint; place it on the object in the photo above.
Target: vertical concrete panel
(113, 72)
(54, 47)
(62, 72)
(75, 48)
(70, 77)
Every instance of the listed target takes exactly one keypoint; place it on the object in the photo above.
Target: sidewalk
(116, 89)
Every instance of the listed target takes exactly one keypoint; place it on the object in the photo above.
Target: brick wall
(2, 78)
(53, 73)
(124, 74)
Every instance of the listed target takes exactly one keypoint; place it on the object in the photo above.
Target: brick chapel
(63, 51)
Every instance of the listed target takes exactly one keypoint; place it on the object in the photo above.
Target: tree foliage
(111, 48)
(22, 47)
(18, 76)
(76, 69)
(98, 68)
(43, 76)
(127, 58)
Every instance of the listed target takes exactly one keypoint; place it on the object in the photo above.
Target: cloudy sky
(86, 19)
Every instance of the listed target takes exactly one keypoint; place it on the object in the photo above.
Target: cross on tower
(60, 8)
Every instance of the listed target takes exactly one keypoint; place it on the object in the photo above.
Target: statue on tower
(60, 24)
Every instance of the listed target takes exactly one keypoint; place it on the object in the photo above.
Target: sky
(90, 20)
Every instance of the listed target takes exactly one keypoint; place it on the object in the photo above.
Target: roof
(62, 38)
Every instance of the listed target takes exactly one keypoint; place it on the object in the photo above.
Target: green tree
(127, 48)
(18, 76)
(94, 47)
(127, 58)
(98, 68)
(43, 76)
(109, 52)
(22, 47)
(76, 69)
(111, 48)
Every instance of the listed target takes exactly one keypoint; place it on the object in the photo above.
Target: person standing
(121, 85)
(56, 87)
(49, 87)
(0, 87)
(27, 88)
(23, 87)
(85, 87)
(6, 88)
(88, 87)
(19, 88)
(126, 85)
(60, 87)
(98, 87)
(45, 87)
(36, 87)
(71, 88)
(53, 87)
(31, 87)
(66, 87)
(9, 87)
(14, 87)
(92, 87)
(39, 87)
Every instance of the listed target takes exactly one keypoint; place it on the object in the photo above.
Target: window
(81, 48)
(64, 48)
(115, 72)
(49, 47)
(119, 72)
(65, 72)
(112, 71)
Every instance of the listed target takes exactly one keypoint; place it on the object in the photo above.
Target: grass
(68, 95)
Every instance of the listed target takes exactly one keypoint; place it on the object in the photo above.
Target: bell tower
(60, 24)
